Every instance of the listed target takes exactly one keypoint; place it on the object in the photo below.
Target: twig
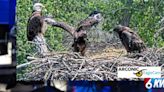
(65, 64)
(79, 69)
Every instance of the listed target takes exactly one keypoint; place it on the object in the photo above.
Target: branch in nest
(25, 64)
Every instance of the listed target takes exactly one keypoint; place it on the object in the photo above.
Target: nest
(72, 66)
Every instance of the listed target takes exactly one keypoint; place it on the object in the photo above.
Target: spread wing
(34, 26)
(62, 25)
(87, 23)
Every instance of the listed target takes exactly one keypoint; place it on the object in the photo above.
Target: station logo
(154, 83)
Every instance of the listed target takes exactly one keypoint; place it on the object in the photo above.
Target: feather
(131, 41)
(34, 25)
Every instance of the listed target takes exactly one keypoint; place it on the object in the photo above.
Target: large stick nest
(72, 66)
